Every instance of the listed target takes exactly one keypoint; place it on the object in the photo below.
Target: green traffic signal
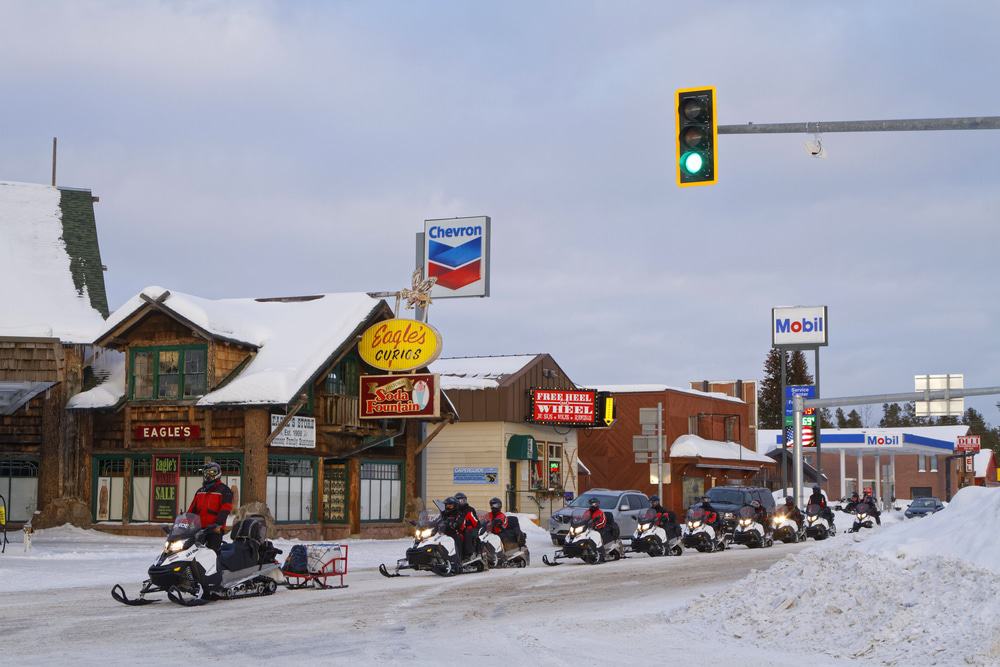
(697, 135)
(692, 163)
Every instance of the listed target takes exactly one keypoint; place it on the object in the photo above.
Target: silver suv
(624, 506)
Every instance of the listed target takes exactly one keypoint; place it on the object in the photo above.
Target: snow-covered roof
(693, 445)
(648, 388)
(37, 289)
(982, 462)
(472, 373)
(293, 339)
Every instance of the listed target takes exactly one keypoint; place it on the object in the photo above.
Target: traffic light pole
(897, 125)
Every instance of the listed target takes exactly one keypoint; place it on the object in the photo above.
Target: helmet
(653, 500)
(211, 471)
(450, 503)
(706, 499)
(816, 488)
(594, 502)
(868, 490)
(495, 504)
(755, 504)
(461, 498)
(789, 500)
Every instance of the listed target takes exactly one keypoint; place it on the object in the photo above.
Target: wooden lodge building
(213, 380)
(52, 305)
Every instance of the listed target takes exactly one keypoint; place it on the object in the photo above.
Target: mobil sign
(798, 326)
(883, 439)
(457, 253)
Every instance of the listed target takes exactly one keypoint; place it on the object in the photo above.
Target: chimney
(739, 389)
(704, 386)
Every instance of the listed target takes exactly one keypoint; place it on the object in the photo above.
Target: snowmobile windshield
(185, 526)
(863, 508)
(746, 512)
(428, 519)
(647, 516)
(813, 509)
(696, 514)
(580, 518)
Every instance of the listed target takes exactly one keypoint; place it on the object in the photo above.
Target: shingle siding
(80, 235)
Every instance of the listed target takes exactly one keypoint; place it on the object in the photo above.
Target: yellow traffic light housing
(697, 136)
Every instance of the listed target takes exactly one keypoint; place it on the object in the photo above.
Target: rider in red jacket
(496, 519)
(212, 503)
(596, 515)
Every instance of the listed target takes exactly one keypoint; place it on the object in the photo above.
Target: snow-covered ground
(918, 592)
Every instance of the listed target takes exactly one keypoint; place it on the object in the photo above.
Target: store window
(343, 380)
(555, 465)
(921, 463)
(19, 485)
(934, 467)
(169, 373)
(290, 488)
(382, 491)
(141, 471)
(694, 489)
(693, 425)
(730, 429)
(110, 488)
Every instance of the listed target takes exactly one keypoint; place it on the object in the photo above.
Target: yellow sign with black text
(399, 345)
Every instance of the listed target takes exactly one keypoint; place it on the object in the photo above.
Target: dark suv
(625, 507)
(727, 501)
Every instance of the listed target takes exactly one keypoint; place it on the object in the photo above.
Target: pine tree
(825, 418)
(841, 418)
(891, 415)
(853, 420)
(770, 406)
(989, 437)
(798, 369)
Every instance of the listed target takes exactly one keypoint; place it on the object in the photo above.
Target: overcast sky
(259, 149)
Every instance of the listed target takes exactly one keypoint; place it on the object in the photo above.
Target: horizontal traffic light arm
(897, 125)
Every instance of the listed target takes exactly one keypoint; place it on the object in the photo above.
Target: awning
(726, 466)
(13, 395)
(522, 448)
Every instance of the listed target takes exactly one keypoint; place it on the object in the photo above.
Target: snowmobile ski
(118, 593)
(553, 563)
(177, 597)
(384, 571)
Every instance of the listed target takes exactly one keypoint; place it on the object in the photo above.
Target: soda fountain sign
(400, 396)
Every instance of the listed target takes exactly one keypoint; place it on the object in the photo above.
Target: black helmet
(706, 499)
(816, 488)
(461, 498)
(495, 504)
(789, 500)
(594, 502)
(450, 501)
(653, 500)
(211, 471)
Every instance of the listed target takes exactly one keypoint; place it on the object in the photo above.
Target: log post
(354, 495)
(256, 428)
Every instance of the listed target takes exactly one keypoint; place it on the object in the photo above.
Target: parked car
(625, 507)
(923, 507)
(727, 501)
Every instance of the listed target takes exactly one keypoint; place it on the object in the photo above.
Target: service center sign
(399, 345)
(563, 407)
(457, 253)
(400, 396)
(804, 326)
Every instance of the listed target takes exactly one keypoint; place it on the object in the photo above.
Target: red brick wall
(907, 474)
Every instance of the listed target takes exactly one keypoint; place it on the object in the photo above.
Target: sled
(325, 561)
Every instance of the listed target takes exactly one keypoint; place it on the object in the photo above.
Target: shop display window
(168, 372)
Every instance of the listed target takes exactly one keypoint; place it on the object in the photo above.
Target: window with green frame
(168, 372)
(344, 378)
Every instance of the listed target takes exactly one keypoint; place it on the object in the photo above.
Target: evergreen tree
(798, 369)
(853, 420)
(770, 402)
(825, 418)
(841, 418)
(989, 437)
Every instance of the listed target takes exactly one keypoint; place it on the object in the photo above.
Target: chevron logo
(455, 266)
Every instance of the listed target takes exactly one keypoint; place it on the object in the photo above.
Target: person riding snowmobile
(464, 506)
(791, 511)
(712, 517)
(598, 520)
(852, 503)
(468, 525)
(665, 518)
(451, 523)
(496, 520)
(869, 498)
(817, 498)
(760, 516)
(212, 503)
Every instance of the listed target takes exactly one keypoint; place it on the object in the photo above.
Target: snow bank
(692, 445)
(891, 598)
(968, 529)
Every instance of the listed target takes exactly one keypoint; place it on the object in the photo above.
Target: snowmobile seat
(238, 555)
(517, 535)
(611, 530)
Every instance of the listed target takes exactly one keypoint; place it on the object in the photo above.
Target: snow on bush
(915, 593)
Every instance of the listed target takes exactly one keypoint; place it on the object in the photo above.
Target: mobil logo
(456, 254)
(787, 325)
(880, 440)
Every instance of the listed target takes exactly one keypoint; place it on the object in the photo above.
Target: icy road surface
(570, 614)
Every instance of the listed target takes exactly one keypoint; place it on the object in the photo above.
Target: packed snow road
(568, 614)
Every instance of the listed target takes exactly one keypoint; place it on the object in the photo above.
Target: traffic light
(697, 136)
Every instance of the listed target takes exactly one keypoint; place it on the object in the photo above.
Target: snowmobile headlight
(728, 515)
(424, 533)
(694, 524)
(644, 526)
(173, 547)
(862, 517)
(745, 522)
(576, 531)
(812, 519)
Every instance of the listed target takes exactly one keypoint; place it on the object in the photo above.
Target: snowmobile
(192, 574)
(749, 531)
(652, 538)
(434, 551)
(818, 526)
(508, 548)
(786, 528)
(862, 517)
(585, 542)
(700, 535)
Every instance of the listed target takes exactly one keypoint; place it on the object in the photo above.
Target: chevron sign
(456, 252)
